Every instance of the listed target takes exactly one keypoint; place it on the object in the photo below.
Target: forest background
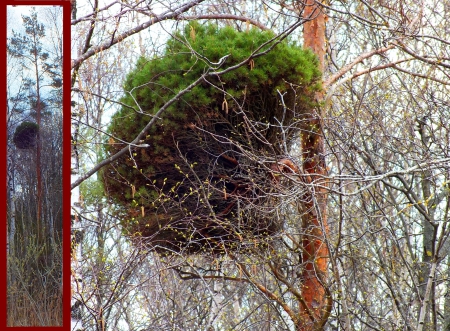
(377, 198)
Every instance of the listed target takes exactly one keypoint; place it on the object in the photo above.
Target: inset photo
(34, 165)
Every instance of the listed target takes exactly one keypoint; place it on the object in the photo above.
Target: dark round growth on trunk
(25, 135)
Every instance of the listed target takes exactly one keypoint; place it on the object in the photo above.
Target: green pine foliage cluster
(155, 81)
(218, 105)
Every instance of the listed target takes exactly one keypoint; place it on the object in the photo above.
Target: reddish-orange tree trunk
(316, 304)
(39, 223)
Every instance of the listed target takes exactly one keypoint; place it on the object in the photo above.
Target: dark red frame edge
(66, 162)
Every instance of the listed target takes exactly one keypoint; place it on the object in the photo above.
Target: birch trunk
(76, 284)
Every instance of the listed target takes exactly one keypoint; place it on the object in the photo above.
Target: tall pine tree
(35, 100)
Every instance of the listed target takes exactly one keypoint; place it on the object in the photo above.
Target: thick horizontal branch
(172, 14)
(320, 181)
(225, 17)
(186, 275)
(88, 17)
(139, 136)
(351, 65)
(439, 163)
(423, 58)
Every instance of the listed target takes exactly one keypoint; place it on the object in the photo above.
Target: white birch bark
(76, 278)
(426, 298)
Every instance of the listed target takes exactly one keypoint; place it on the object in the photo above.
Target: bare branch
(225, 17)
(171, 14)
(423, 58)
(426, 299)
(274, 41)
(332, 79)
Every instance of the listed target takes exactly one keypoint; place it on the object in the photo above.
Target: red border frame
(66, 161)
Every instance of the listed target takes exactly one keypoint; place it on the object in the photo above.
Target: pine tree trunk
(315, 308)
(39, 223)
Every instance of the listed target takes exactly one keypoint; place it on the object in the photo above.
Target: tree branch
(426, 299)
(139, 136)
(269, 293)
(351, 65)
(172, 14)
(423, 58)
(225, 17)
(274, 41)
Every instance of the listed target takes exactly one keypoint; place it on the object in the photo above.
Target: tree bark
(40, 224)
(316, 304)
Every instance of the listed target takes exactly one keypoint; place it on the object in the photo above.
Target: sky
(15, 22)
(14, 18)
